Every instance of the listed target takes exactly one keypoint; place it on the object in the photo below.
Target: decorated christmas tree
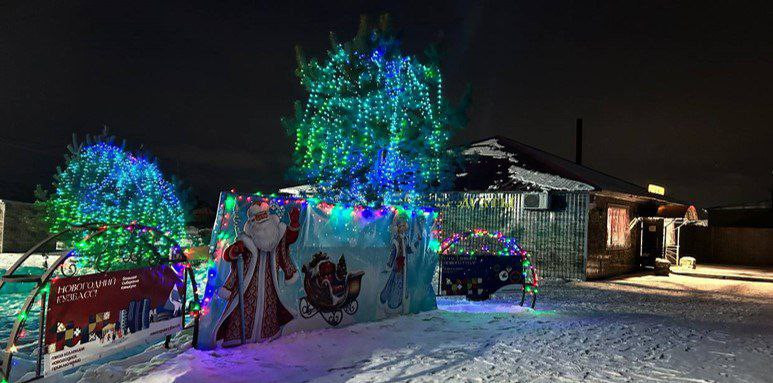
(102, 183)
(375, 127)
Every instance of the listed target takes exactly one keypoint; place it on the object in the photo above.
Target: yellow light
(656, 189)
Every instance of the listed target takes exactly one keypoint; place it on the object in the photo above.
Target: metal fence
(556, 237)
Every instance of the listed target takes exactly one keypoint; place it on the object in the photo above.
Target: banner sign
(307, 266)
(97, 315)
(480, 275)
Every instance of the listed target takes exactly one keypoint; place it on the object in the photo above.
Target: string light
(103, 183)
(373, 130)
(228, 215)
(509, 247)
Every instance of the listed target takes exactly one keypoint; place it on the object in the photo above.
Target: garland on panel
(227, 223)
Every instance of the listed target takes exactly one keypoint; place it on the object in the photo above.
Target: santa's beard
(265, 234)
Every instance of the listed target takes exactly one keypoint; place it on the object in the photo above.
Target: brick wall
(602, 261)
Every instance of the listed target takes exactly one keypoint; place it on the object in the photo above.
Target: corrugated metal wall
(556, 238)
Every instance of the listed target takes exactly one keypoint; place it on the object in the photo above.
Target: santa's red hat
(258, 211)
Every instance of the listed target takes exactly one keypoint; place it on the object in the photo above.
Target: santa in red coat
(264, 246)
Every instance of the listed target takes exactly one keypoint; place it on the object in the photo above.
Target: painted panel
(318, 266)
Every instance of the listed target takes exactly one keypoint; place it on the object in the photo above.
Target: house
(21, 226)
(736, 235)
(578, 222)
(754, 214)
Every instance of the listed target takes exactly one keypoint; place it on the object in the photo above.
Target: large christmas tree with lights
(375, 128)
(102, 183)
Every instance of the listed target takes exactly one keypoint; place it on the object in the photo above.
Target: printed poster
(93, 316)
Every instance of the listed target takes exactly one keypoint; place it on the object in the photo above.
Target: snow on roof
(489, 148)
(299, 190)
(499, 163)
(502, 164)
(491, 155)
(544, 180)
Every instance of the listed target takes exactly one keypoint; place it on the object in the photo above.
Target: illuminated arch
(510, 247)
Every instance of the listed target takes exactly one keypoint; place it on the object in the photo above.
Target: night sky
(678, 95)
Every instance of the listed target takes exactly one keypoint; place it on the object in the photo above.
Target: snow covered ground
(35, 260)
(643, 328)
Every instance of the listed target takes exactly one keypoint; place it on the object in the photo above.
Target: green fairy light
(230, 202)
(374, 129)
(104, 183)
(434, 245)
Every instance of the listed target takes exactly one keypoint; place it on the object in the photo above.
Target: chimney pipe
(578, 143)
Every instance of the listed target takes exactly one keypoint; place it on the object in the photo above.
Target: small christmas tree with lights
(375, 128)
(103, 183)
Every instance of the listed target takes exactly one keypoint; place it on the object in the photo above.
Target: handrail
(28, 253)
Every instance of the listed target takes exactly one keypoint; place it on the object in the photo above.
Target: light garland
(373, 130)
(231, 202)
(510, 247)
(103, 183)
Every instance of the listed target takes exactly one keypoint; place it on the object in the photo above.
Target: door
(651, 241)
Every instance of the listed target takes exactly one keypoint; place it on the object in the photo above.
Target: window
(618, 235)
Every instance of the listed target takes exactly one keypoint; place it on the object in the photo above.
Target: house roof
(766, 204)
(502, 164)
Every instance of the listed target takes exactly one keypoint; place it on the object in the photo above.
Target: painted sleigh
(330, 290)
